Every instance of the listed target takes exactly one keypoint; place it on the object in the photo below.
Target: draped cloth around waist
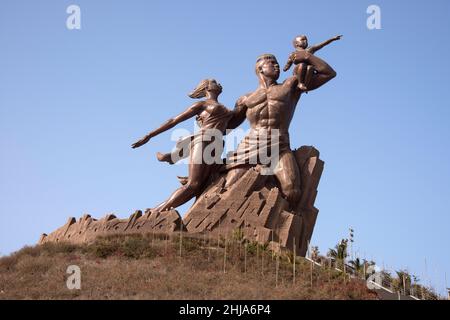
(260, 146)
(206, 137)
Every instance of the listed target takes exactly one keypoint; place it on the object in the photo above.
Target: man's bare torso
(272, 107)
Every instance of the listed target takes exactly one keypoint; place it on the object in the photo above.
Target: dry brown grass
(150, 267)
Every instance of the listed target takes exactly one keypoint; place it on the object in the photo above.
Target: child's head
(300, 42)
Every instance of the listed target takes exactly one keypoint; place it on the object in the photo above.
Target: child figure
(304, 71)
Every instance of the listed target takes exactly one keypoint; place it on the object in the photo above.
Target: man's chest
(275, 95)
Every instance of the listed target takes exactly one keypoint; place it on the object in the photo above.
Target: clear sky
(73, 101)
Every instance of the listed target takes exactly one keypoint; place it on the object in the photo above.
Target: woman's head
(205, 86)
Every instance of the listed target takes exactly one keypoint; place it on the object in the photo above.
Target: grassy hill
(158, 267)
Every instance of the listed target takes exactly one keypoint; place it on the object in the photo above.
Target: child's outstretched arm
(319, 46)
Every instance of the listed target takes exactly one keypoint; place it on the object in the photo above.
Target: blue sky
(72, 102)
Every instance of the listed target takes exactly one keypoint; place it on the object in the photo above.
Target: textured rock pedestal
(87, 229)
(254, 205)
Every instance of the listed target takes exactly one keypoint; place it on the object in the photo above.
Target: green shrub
(237, 235)
(55, 248)
(103, 248)
(254, 247)
(136, 247)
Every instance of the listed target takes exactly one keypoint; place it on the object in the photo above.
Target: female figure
(211, 117)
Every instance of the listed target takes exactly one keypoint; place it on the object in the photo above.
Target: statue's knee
(193, 186)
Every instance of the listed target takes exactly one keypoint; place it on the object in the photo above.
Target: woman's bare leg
(198, 174)
(176, 155)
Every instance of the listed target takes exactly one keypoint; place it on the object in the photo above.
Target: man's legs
(288, 176)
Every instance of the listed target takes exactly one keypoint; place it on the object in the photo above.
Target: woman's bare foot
(164, 157)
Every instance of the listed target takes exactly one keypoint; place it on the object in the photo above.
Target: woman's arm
(193, 110)
(239, 113)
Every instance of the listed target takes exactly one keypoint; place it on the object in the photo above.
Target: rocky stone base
(253, 206)
(87, 229)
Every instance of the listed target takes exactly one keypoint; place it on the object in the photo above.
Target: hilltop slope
(150, 267)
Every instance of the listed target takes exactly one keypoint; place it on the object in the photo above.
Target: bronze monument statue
(269, 199)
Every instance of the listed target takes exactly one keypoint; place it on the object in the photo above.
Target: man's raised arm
(324, 72)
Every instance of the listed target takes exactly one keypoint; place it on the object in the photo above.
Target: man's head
(267, 66)
(300, 42)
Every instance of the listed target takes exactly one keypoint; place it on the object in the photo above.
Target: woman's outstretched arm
(193, 110)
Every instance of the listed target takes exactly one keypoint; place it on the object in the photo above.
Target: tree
(366, 265)
(402, 282)
(357, 265)
(315, 253)
(339, 253)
